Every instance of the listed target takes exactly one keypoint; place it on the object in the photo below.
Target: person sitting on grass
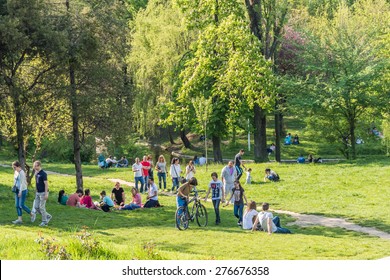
(62, 197)
(106, 202)
(271, 175)
(118, 195)
(218, 193)
(152, 198)
(250, 215)
(135, 203)
(268, 222)
(295, 140)
(74, 199)
(238, 195)
(301, 159)
(86, 200)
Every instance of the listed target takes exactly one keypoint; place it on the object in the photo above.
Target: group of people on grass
(228, 190)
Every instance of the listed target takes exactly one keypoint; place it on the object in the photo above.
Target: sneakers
(48, 218)
(17, 222)
(33, 216)
(43, 224)
(239, 223)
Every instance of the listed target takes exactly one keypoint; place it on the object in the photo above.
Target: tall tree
(27, 41)
(347, 69)
(267, 18)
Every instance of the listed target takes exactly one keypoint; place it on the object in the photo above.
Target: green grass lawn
(358, 192)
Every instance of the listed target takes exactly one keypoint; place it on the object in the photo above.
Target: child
(250, 215)
(106, 203)
(268, 222)
(237, 195)
(248, 176)
(271, 175)
(217, 194)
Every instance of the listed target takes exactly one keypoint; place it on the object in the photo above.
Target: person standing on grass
(41, 195)
(238, 198)
(268, 222)
(175, 173)
(145, 172)
(183, 193)
(118, 194)
(150, 160)
(20, 196)
(228, 176)
(238, 163)
(190, 170)
(250, 215)
(137, 169)
(218, 194)
(161, 167)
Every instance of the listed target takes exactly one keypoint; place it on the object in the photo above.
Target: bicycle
(198, 213)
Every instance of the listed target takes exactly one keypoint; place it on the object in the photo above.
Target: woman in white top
(190, 170)
(250, 215)
(161, 167)
(175, 173)
(20, 196)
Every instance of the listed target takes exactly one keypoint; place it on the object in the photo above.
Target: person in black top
(41, 196)
(238, 163)
(118, 194)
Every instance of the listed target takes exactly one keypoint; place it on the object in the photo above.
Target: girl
(238, 195)
(20, 196)
(250, 215)
(190, 170)
(175, 173)
(161, 168)
(62, 197)
(135, 203)
(87, 200)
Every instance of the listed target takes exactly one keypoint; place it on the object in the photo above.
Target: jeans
(130, 206)
(216, 203)
(19, 203)
(162, 177)
(146, 183)
(40, 206)
(151, 203)
(279, 229)
(239, 172)
(181, 202)
(141, 180)
(175, 183)
(238, 210)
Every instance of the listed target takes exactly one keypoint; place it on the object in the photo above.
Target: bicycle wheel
(201, 215)
(181, 218)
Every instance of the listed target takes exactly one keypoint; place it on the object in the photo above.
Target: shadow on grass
(327, 232)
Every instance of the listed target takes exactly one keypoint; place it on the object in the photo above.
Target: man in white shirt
(268, 222)
(137, 169)
(202, 160)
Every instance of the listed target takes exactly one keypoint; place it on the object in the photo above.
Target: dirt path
(304, 220)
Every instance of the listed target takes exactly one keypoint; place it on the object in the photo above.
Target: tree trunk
(234, 135)
(184, 139)
(278, 133)
(217, 149)
(19, 127)
(171, 140)
(260, 135)
(353, 139)
(76, 132)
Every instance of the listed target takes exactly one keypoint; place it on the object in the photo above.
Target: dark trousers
(216, 203)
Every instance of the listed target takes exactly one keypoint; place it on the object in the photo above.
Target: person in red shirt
(74, 199)
(145, 173)
(86, 200)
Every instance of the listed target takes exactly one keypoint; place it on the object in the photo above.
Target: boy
(271, 175)
(106, 203)
(268, 222)
(217, 194)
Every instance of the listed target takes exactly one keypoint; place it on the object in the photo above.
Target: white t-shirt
(202, 161)
(263, 217)
(152, 190)
(190, 174)
(138, 169)
(247, 219)
(175, 170)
